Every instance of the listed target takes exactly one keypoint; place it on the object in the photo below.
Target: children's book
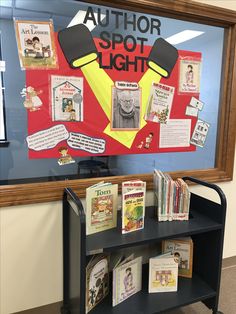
(36, 44)
(182, 250)
(101, 207)
(160, 103)
(127, 279)
(132, 185)
(97, 280)
(171, 198)
(158, 180)
(163, 273)
(133, 209)
(184, 201)
(67, 98)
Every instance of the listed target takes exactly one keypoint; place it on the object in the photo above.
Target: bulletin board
(69, 108)
(160, 102)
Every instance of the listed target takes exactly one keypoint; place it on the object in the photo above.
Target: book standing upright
(101, 207)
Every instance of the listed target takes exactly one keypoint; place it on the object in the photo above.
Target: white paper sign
(196, 103)
(2, 122)
(89, 144)
(48, 138)
(200, 133)
(191, 111)
(2, 66)
(175, 134)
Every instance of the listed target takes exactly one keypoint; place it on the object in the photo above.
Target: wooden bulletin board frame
(223, 171)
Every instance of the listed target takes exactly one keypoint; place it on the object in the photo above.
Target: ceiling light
(183, 36)
(79, 19)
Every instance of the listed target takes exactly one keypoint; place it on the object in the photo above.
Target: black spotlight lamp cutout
(77, 45)
(162, 57)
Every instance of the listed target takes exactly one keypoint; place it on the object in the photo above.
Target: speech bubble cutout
(47, 138)
(89, 144)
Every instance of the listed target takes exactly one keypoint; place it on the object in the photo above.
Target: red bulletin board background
(95, 120)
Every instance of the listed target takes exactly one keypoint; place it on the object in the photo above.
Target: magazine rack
(205, 226)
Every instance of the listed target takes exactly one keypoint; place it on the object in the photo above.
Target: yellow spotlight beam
(101, 85)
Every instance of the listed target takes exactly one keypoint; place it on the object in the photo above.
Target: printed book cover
(131, 185)
(133, 211)
(163, 274)
(67, 98)
(160, 103)
(97, 280)
(36, 44)
(182, 250)
(101, 207)
(127, 279)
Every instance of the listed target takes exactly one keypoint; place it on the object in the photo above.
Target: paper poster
(175, 134)
(191, 111)
(36, 46)
(159, 103)
(200, 133)
(126, 106)
(196, 103)
(189, 75)
(67, 98)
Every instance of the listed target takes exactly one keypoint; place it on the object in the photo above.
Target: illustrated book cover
(127, 279)
(137, 185)
(163, 273)
(97, 280)
(160, 103)
(67, 98)
(133, 210)
(189, 75)
(36, 44)
(101, 207)
(182, 250)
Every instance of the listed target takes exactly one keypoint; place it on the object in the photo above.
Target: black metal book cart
(205, 226)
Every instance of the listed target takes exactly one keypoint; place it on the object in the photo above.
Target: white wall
(31, 245)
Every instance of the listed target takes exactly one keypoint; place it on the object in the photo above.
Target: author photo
(125, 109)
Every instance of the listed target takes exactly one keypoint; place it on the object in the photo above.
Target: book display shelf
(205, 226)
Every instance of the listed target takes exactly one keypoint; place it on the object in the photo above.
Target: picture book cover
(133, 211)
(137, 185)
(97, 280)
(101, 207)
(182, 250)
(189, 75)
(36, 44)
(163, 273)
(67, 98)
(127, 279)
(160, 103)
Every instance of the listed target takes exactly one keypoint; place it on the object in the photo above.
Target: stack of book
(172, 197)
